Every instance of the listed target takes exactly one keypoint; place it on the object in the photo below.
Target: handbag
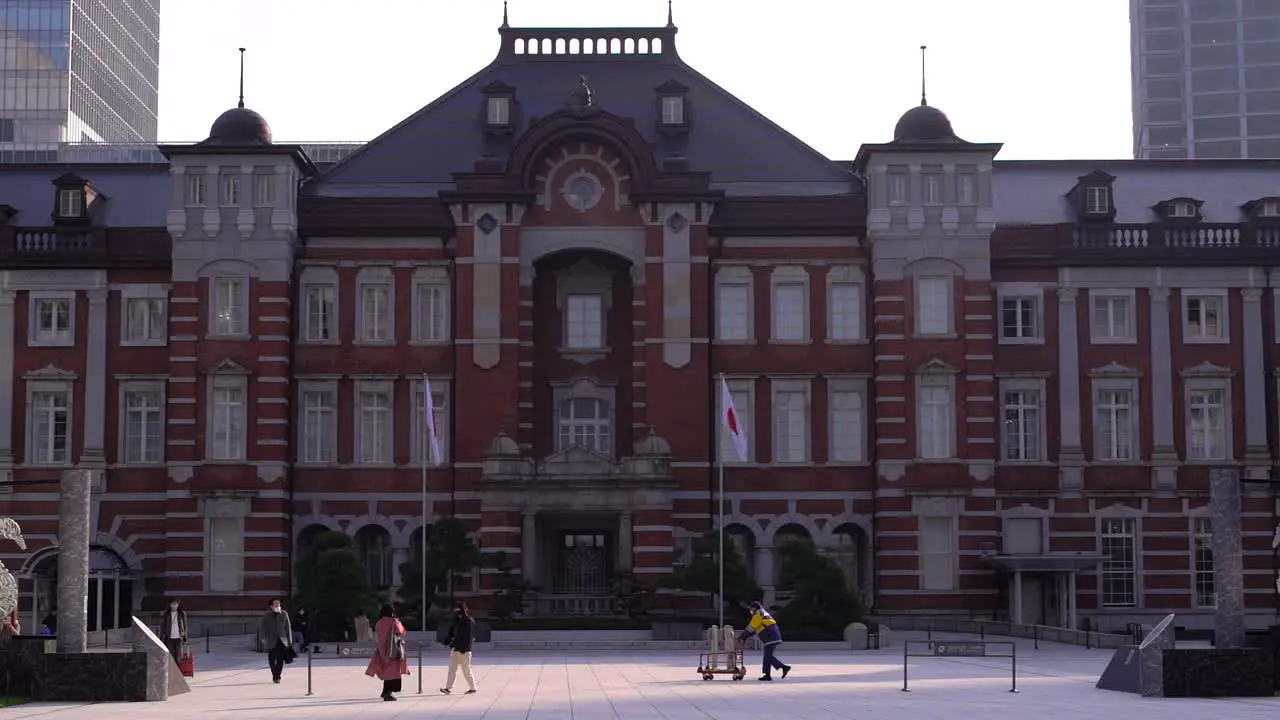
(186, 661)
(395, 646)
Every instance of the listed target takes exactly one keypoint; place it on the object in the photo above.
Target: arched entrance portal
(113, 590)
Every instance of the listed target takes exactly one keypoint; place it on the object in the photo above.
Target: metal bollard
(1035, 635)
(310, 652)
(206, 641)
(420, 643)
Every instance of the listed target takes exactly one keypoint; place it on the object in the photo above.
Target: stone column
(95, 383)
(626, 549)
(1228, 565)
(73, 562)
(764, 571)
(529, 547)
(1164, 458)
(1071, 453)
(1257, 459)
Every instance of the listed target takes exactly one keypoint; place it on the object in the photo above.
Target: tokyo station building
(987, 388)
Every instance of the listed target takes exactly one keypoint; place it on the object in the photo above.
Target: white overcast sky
(1048, 79)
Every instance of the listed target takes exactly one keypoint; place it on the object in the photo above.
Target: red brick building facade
(986, 388)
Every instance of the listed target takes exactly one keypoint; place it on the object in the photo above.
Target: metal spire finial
(241, 78)
(505, 24)
(924, 100)
(670, 17)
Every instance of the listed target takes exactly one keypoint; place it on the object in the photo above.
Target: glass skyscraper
(77, 71)
(1206, 78)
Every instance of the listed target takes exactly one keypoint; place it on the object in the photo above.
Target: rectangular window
(230, 311)
(226, 557)
(1112, 317)
(321, 317)
(375, 312)
(672, 110)
(1114, 424)
(733, 317)
(51, 320)
(845, 311)
(50, 427)
(264, 190)
(740, 392)
(1097, 200)
(1119, 564)
(966, 188)
(933, 306)
(937, 554)
(1022, 418)
(789, 311)
(144, 321)
(498, 111)
(848, 434)
(1019, 318)
(585, 422)
(230, 190)
(440, 414)
(1205, 594)
(319, 425)
(431, 312)
(897, 188)
(790, 427)
(932, 188)
(1207, 424)
(195, 190)
(1205, 317)
(143, 426)
(70, 203)
(8, 130)
(935, 426)
(584, 322)
(228, 419)
(375, 441)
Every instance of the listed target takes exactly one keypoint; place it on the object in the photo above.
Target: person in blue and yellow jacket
(764, 626)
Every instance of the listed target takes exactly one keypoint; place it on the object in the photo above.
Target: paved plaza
(1054, 681)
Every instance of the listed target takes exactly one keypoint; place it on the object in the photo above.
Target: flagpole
(424, 454)
(720, 512)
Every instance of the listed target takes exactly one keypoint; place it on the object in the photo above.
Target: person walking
(173, 628)
(301, 626)
(459, 640)
(766, 628)
(364, 633)
(276, 635)
(389, 662)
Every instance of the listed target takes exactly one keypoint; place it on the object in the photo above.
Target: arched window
(584, 422)
(373, 544)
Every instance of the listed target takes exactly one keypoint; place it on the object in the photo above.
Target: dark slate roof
(744, 152)
(137, 195)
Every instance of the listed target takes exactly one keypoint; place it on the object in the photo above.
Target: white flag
(429, 416)
(729, 416)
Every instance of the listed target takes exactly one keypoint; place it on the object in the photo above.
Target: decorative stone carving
(582, 191)
(487, 223)
(9, 530)
(582, 98)
(677, 223)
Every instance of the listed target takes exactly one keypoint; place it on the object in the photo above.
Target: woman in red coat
(390, 660)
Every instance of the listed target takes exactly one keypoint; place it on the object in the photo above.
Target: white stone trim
(319, 276)
(1223, 296)
(735, 276)
(1130, 302)
(785, 276)
(66, 338)
(373, 277)
(777, 387)
(159, 386)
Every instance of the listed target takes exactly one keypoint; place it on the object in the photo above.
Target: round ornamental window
(583, 191)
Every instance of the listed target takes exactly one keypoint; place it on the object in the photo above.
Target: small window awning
(1051, 563)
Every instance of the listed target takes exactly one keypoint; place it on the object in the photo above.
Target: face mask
(275, 608)
(173, 607)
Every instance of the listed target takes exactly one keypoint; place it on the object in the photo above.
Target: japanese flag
(430, 422)
(729, 416)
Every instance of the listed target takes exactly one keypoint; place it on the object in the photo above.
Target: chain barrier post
(420, 643)
(310, 652)
(905, 645)
(1013, 667)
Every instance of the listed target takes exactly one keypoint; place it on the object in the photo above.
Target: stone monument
(73, 562)
(1228, 564)
(1151, 657)
(9, 530)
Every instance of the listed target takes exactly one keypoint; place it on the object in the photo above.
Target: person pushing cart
(766, 628)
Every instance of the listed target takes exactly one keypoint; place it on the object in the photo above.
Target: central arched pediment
(568, 127)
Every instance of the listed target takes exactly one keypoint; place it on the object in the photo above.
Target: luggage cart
(722, 663)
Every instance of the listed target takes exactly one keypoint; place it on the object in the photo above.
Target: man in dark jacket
(459, 641)
(173, 629)
(763, 625)
(276, 635)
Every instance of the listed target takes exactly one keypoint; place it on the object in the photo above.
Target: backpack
(395, 646)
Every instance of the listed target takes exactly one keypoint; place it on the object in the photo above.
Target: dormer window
(1179, 209)
(1270, 208)
(1267, 209)
(70, 203)
(673, 107)
(1093, 197)
(498, 110)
